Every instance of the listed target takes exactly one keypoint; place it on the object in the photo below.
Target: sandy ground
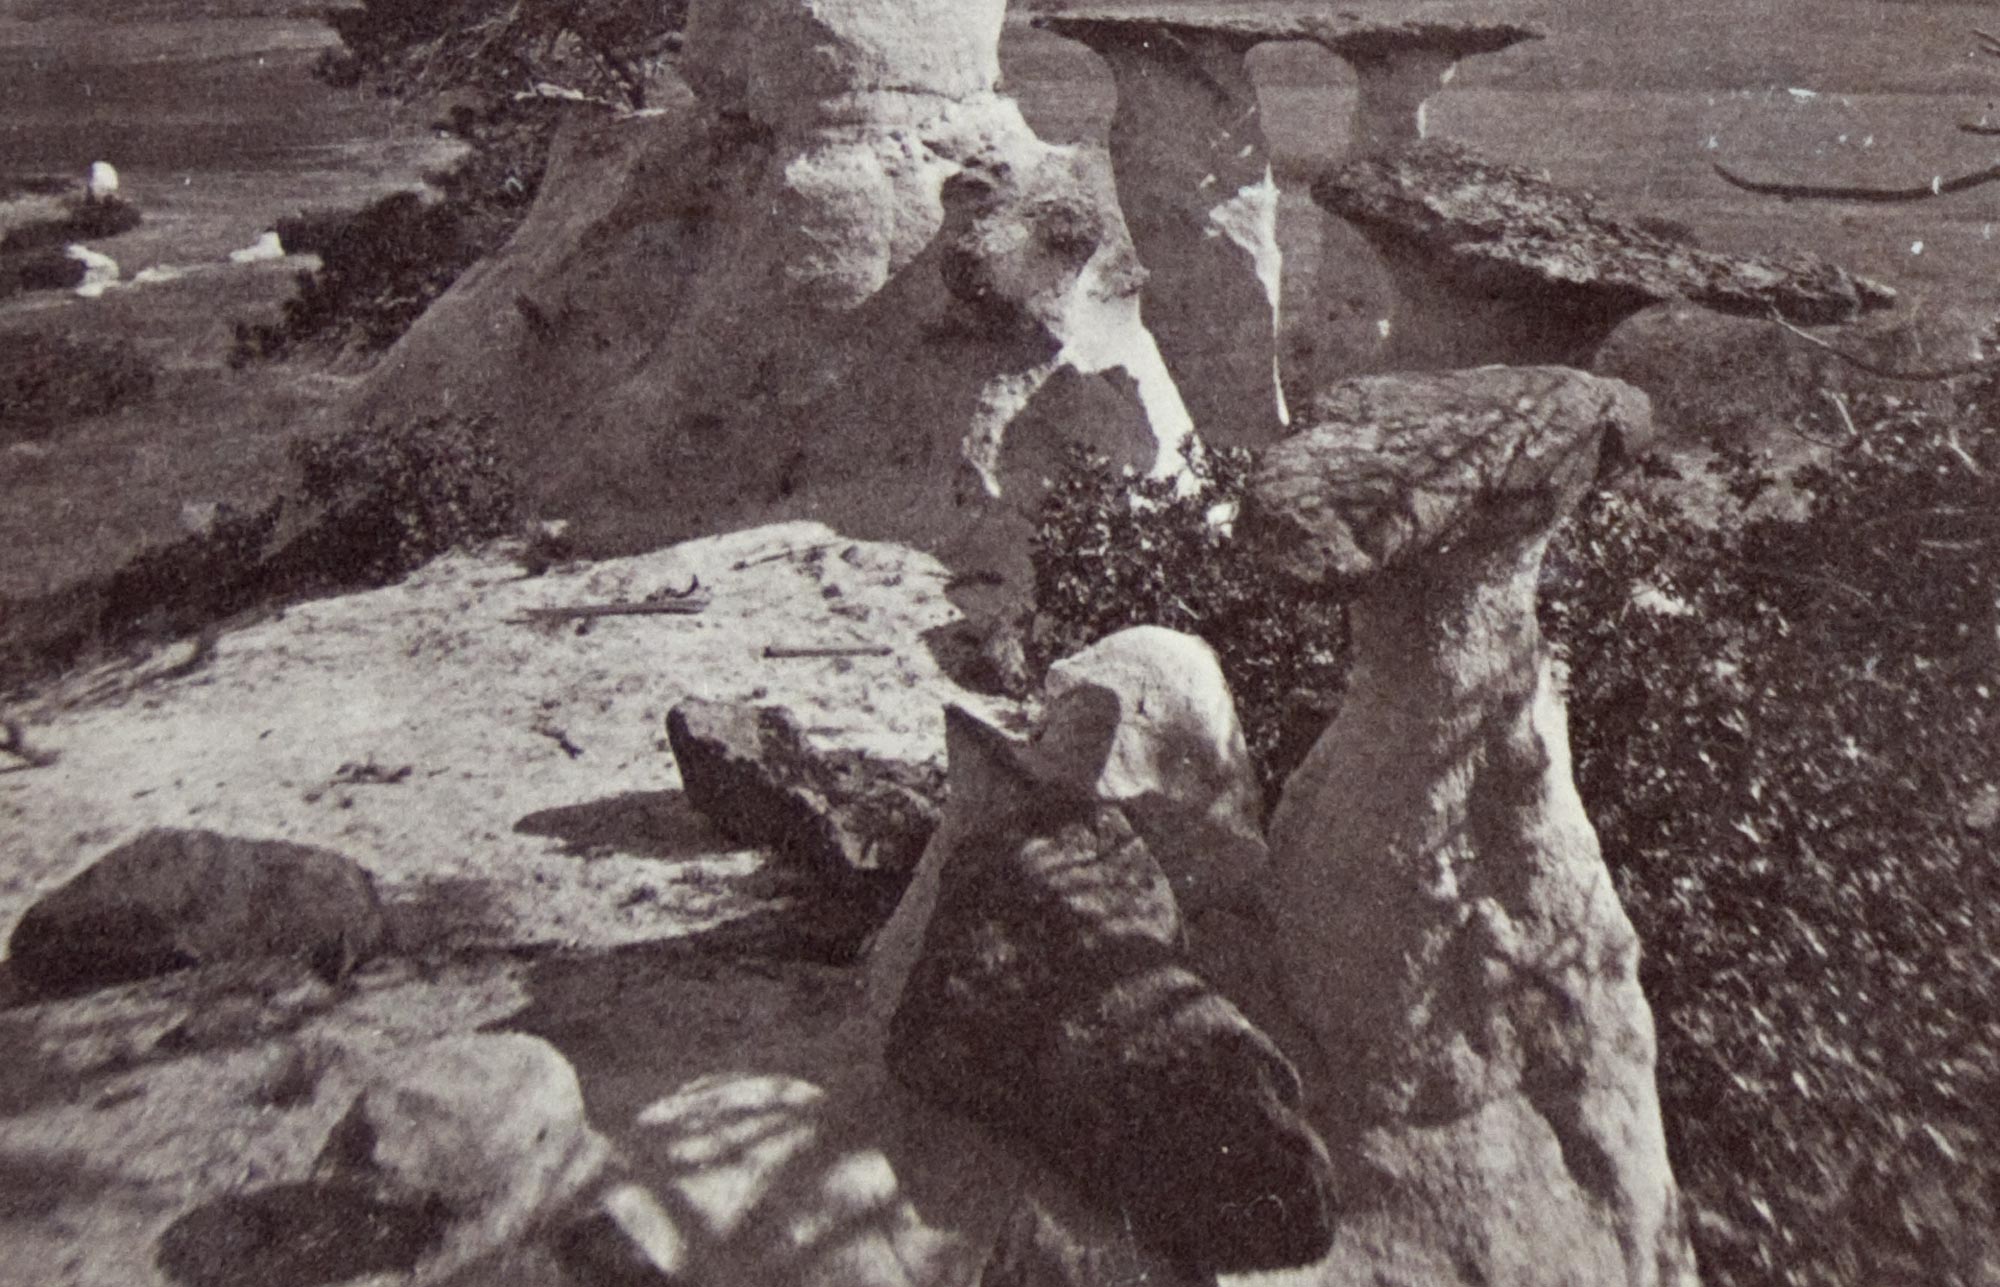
(541, 805)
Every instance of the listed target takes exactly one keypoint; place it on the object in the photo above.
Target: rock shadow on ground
(640, 824)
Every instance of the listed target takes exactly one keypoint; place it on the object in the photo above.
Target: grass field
(208, 109)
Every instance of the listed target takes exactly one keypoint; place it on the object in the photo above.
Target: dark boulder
(172, 899)
(751, 772)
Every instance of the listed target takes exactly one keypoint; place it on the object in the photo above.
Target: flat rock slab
(1501, 230)
(175, 898)
(1341, 29)
(1391, 466)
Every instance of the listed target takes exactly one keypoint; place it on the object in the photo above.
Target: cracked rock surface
(1494, 264)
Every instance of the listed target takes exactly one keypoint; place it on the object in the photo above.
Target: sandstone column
(1444, 924)
(1400, 64)
(1194, 179)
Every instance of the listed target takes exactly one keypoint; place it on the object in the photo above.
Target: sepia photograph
(999, 643)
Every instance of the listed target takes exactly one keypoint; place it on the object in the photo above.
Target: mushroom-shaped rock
(1400, 62)
(1494, 264)
(1443, 922)
(1049, 1002)
(1194, 180)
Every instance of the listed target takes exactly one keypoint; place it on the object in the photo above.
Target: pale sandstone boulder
(1143, 719)
(1443, 924)
(486, 1129)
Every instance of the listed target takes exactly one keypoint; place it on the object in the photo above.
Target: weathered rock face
(751, 772)
(841, 279)
(175, 898)
(1194, 180)
(1048, 1002)
(1445, 926)
(1493, 264)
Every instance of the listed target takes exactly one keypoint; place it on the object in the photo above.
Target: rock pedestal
(1400, 62)
(1194, 179)
(838, 278)
(1493, 264)
(1443, 921)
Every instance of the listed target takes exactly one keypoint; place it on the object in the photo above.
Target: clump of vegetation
(380, 268)
(48, 380)
(397, 496)
(1784, 729)
(371, 505)
(1114, 550)
(1792, 771)
(92, 220)
(506, 66)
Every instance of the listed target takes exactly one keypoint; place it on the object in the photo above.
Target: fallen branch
(1938, 187)
(791, 552)
(649, 608)
(1885, 372)
(831, 650)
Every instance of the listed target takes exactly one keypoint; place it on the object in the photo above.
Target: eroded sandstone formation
(1443, 923)
(1400, 62)
(1494, 264)
(838, 278)
(1194, 181)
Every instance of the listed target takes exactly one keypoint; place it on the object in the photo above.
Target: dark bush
(1113, 550)
(48, 380)
(85, 221)
(1793, 779)
(395, 496)
(380, 268)
(371, 505)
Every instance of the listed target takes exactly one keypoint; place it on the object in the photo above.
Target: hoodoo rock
(1493, 264)
(1400, 62)
(838, 278)
(1194, 179)
(1444, 925)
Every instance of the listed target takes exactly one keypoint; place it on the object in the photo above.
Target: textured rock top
(1394, 466)
(1509, 231)
(1353, 35)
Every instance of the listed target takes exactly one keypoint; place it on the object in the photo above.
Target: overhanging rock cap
(1350, 33)
(1503, 230)
(1394, 467)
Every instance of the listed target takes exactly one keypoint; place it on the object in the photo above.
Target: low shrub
(1113, 550)
(49, 379)
(380, 268)
(393, 497)
(84, 221)
(371, 505)
(1790, 763)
